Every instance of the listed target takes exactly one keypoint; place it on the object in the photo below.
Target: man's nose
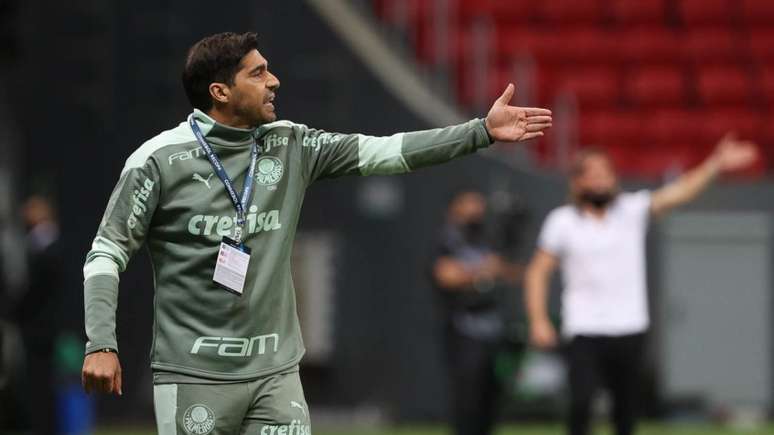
(274, 82)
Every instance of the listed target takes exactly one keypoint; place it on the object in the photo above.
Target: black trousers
(613, 362)
(473, 384)
(39, 390)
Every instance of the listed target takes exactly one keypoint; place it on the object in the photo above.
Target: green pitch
(525, 429)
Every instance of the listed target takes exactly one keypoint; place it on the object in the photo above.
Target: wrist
(488, 130)
(101, 350)
(712, 165)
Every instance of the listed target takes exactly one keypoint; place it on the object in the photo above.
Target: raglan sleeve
(121, 232)
(334, 154)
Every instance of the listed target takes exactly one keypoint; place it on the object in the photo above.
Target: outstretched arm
(730, 154)
(333, 154)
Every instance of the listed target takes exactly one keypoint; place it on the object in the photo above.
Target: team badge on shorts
(199, 420)
(269, 170)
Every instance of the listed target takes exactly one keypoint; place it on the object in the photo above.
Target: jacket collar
(224, 135)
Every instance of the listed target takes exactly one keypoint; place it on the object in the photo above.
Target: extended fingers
(537, 127)
(536, 111)
(531, 135)
(539, 119)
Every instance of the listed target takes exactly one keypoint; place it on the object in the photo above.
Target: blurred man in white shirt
(598, 241)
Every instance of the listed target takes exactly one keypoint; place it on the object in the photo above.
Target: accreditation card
(231, 267)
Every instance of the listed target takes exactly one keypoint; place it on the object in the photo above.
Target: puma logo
(294, 404)
(206, 181)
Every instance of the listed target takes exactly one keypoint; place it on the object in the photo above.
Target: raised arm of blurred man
(730, 154)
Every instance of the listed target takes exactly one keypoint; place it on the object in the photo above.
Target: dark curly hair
(215, 58)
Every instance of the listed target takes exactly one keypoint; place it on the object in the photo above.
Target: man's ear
(220, 92)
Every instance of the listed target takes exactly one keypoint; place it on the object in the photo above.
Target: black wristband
(488, 135)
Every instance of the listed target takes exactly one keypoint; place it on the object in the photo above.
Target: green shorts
(271, 405)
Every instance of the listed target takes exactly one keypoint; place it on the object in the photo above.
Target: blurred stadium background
(654, 82)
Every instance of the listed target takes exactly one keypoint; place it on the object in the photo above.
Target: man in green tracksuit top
(219, 212)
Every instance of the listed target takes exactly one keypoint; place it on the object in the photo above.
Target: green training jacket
(168, 197)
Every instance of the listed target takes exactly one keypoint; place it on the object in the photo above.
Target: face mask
(598, 200)
(473, 231)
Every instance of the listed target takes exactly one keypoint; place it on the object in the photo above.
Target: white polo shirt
(603, 266)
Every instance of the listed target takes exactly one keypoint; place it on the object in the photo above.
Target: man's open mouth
(269, 103)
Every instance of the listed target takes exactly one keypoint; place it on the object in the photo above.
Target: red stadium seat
(758, 12)
(627, 160)
(518, 42)
(576, 51)
(767, 131)
(588, 45)
(703, 12)
(760, 43)
(637, 12)
(659, 160)
(717, 44)
(501, 11)
(622, 159)
(647, 45)
(748, 124)
(593, 87)
(414, 11)
(575, 45)
(610, 128)
(723, 85)
(655, 86)
(541, 88)
(701, 127)
(668, 126)
(460, 44)
(569, 11)
(497, 80)
(766, 83)
(466, 85)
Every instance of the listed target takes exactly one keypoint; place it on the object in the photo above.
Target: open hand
(732, 154)
(511, 124)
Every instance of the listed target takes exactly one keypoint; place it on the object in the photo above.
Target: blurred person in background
(598, 240)
(226, 338)
(36, 314)
(466, 272)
